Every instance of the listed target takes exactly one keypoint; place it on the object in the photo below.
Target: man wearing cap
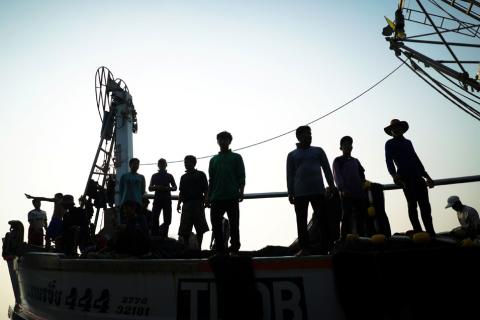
(467, 216)
(408, 172)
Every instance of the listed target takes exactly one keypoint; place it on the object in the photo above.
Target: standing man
(349, 176)
(162, 183)
(227, 182)
(193, 189)
(38, 221)
(132, 184)
(408, 172)
(305, 185)
(467, 217)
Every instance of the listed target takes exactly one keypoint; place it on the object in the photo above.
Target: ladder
(99, 172)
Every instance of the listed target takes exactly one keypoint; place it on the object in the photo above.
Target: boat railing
(386, 187)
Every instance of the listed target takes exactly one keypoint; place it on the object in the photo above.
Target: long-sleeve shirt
(349, 175)
(304, 171)
(132, 187)
(227, 176)
(402, 159)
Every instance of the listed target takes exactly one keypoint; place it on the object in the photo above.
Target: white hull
(51, 287)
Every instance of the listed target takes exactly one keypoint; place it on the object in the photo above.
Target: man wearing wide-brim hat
(408, 172)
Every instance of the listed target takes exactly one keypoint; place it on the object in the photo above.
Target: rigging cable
(293, 130)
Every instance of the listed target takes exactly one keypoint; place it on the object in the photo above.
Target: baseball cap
(451, 201)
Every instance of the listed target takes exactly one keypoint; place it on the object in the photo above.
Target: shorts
(193, 214)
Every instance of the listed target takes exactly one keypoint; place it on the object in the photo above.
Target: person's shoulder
(337, 159)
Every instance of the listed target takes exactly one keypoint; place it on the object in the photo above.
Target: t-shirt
(37, 219)
(193, 185)
(349, 175)
(162, 178)
(132, 188)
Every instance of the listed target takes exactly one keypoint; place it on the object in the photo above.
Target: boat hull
(53, 287)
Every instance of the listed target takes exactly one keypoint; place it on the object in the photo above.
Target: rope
(293, 130)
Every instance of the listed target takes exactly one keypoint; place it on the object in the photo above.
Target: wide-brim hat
(395, 123)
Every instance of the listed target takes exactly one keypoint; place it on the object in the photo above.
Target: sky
(195, 68)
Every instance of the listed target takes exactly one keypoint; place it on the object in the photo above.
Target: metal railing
(386, 187)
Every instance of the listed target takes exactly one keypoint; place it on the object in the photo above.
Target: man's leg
(167, 218)
(326, 222)
(233, 213)
(216, 215)
(347, 219)
(155, 218)
(301, 211)
(410, 194)
(425, 208)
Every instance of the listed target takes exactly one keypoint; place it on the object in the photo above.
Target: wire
(290, 131)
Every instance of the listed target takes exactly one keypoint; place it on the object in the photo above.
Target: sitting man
(468, 218)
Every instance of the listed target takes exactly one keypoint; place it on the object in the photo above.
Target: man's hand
(240, 196)
(179, 208)
(430, 183)
(207, 203)
(398, 181)
(330, 191)
(291, 198)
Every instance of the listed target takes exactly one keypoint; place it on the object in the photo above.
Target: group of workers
(224, 190)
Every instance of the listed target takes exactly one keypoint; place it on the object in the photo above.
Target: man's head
(304, 135)
(190, 162)
(162, 164)
(454, 203)
(68, 201)
(346, 145)
(134, 164)
(224, 139)
(36, 204)
(58, 197)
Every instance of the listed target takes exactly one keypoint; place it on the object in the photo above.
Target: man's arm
(173, 185)
(327, 170)
(143, 185)
(290, 177)
(180, 196)
(337, 174)
(241, 177)
(152, 187)
(39, 198)
(429, 181)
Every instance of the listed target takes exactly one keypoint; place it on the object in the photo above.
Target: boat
(402, 276)
(254, 285)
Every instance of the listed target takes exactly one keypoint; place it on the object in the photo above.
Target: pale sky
(199, 67)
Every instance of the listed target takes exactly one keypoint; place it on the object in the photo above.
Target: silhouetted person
(133, 238)
(75, 226)
(349, 175)
(193, 189)
(132, 184)
(227, 182)
(305, 185)
(467, 217)
(37, 219)
(147, 213)
(162, 183)
(408, 172)
(55, 227)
